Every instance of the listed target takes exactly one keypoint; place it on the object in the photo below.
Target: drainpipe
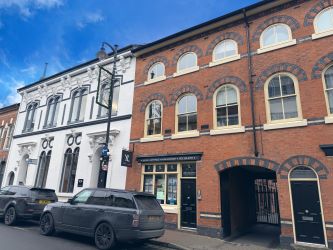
(250, 78)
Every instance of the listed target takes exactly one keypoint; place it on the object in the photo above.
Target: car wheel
(104, 236)
(46, 225)
(10, 216)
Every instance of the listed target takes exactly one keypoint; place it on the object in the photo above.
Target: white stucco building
(60, 129)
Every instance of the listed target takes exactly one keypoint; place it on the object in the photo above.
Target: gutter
(250, 79)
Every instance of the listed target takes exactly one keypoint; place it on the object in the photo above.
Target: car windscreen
(46, 194)
(147, 202)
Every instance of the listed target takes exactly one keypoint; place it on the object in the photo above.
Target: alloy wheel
(104, 236)
(10, 216)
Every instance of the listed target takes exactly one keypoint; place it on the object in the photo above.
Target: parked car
(22, 202)
(107, 215)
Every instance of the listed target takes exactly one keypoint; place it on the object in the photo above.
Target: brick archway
(302, 160)
(288, 20)
(227, 35)
(186, 89)
(154, 60)
(281, 67)
(226, 80)
(188, 48)
(313, 12)
(155, 96)
(246, 161)
(320, 65)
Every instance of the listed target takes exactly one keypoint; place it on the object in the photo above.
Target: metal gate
(267, 203)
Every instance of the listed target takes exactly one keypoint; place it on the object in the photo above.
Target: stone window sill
(291, 124)
(157, 79)
(152, 138)
(231, 130)
(322, 34)
(170, 209)
(328, 119)
(276, 46)
(188, 134)
(225, 60)
(186, 71)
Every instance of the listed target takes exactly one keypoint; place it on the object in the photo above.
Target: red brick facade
(7, 125)
(279, 149)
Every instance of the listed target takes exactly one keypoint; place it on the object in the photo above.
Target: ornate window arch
(52, 112)
(153, 121)
(323, 21)
(43, 169)
(186, 113)
(29, 123)
(226, 107)
(187, 62)
(156, 71)
(282, 98)
(225, 49)
(78, 106)
(275, 35)
(104, 93)
(328, 88)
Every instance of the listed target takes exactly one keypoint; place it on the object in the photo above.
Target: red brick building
(7, 124)
(232, 122)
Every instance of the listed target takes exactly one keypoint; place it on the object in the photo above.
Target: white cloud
(13, 96)
(30, 71)
(89, 18)
(27, 7)
(3, 58)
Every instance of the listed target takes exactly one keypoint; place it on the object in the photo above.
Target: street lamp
(101, 55)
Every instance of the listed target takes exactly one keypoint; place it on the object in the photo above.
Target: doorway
(188, 203)
(306, 206)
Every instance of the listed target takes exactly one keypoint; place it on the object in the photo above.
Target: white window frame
(157, 79)
(230, 128)
(325, 33)
(227, 59)
(187, 70)
(284, 123)
(278, 45)
(329, 117)
(154, 137)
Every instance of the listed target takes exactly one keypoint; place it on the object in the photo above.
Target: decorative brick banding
(314, 11)
(154, 60)
(183, 90)
(225, 80)
(303, 160)
(288, 20)
(281, 67)
(227, 35)
(320, 65)
(185, 49)
(155, 96)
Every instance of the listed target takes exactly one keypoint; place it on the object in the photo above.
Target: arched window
(11, 177)
(282, 97)
(52, 112)
(187, 113)
(2, 171)
(227, 106)
(43, 168)
(104, 95)
(154, 118)
(30, 117)
(69, 170)
(328, 78)
(187, 61)
(275, 34)
(225, 49)
(324, 21)
(78, 107)
(156, 71)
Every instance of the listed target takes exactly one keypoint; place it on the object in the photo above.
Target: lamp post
(101, 55)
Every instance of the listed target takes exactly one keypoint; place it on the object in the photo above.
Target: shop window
(189, 170)
(154, 118)
(187, 113)
(328, 79)
(324, 21)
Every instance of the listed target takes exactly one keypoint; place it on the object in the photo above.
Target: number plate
(44, 202)
(153, 218)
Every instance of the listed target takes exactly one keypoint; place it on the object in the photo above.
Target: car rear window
(47, 194)
(147, 202)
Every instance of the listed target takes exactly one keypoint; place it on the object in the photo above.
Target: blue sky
(65, 33)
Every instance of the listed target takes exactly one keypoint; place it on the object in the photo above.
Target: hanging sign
(126, 158)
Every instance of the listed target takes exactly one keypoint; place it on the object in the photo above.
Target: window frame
(329, 114)
(74, 152)
(45, 159)
(56, 102)
(315, 23)
(9, 136)
(83, 93)
(114, 111)
(156, 79)
(298, 101)
(215, 108)
(236, 56)
(29, 125)
(177, 114)
(146, 119)
(186, 70)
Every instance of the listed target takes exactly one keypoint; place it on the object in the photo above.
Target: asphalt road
(25, 236)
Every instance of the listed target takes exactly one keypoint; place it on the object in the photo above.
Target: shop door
(307, 212)
(188, 203)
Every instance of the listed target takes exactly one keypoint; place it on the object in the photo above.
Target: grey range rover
(107, 215)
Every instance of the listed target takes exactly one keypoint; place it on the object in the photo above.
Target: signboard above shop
(170, 157)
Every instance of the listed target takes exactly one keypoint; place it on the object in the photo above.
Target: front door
(307, 212)
(188, 203)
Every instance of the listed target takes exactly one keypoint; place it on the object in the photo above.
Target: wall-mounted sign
(126, 158)
(80, 182)
(170, 158)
